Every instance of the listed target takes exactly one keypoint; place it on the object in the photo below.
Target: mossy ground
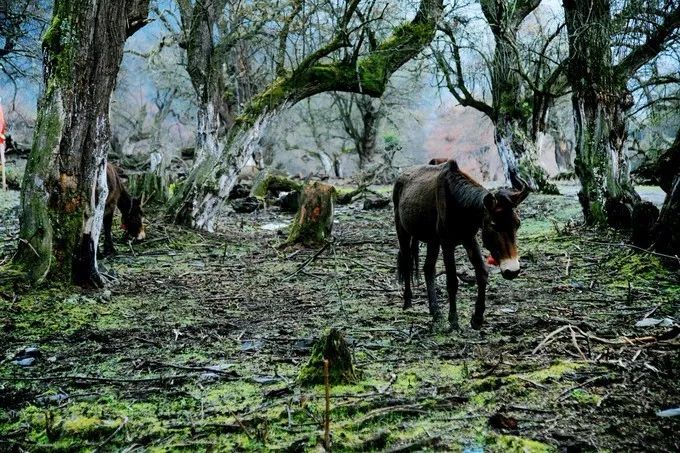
(199, 343)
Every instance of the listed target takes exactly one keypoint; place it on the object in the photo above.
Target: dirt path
(199, 340)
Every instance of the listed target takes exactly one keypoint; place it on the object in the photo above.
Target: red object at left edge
(3, 126)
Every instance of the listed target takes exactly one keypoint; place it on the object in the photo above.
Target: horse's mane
(466, 192)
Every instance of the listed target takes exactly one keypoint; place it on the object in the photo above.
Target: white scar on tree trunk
(238, 153)
(507, 157)
(99, 189)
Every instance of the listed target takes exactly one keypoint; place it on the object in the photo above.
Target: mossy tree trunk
(313, 222)
(211, 180)
(64, 188)
(601, 102)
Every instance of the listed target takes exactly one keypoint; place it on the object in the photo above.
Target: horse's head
(133, 220)
(499, 228)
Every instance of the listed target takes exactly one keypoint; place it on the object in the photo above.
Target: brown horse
(132, 220)
(442, 206)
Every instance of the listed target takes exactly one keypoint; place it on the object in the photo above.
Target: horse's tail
(408, 262)
(402, 258)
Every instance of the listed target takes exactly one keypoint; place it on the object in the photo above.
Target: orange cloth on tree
(3, 126)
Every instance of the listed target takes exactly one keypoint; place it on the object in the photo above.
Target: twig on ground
(308, 260)
(327, 418)
(96, 378)
(113, 434)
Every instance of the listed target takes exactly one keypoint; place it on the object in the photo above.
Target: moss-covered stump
(333, 347)
(313, 222)
(269, 182)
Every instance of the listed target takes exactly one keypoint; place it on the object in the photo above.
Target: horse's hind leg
(449, 252)
(405, 265)
(429, 269)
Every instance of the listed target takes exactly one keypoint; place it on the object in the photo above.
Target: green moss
(584, 397)
(555, 371)
(267, 180)
(506, 443)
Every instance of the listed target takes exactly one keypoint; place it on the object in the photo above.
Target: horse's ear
(490, 201)
(521, 189)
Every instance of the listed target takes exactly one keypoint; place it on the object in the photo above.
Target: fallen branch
(113, 434)
(308, 261)
(96, 378)
(230, 373)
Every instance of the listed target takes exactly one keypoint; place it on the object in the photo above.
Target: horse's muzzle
(509, 275)
(510, 268)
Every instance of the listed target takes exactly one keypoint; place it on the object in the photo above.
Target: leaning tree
(358, 70)
(606, 49)
(64, 188)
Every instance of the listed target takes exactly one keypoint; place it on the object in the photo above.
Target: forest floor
(198, 340)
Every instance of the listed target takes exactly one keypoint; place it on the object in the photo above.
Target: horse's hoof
(476, 323)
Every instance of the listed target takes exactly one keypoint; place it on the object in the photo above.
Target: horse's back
(415, 201)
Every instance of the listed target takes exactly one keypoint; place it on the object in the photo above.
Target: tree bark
(211, 180)
(370, 121)
(64, 187)
(601, 101)
(516, 122)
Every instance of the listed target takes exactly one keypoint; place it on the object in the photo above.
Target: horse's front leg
(108, 239)
(482, 275)
(449, 252)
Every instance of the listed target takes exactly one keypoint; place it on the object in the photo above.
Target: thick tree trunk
(211, 180)
(203, 193)
(64, 187)
(370, 121)
(600, 101)
(667, 229)
(606, 192)
(313, 222)
(512, 118)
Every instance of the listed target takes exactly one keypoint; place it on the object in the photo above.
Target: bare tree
(64, 188)
(21, 25)
(357, 71)
(522, 76)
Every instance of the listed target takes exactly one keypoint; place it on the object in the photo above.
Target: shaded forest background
(154, 106)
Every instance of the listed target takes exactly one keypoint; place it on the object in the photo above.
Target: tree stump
(314, 220)
(333, 347)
